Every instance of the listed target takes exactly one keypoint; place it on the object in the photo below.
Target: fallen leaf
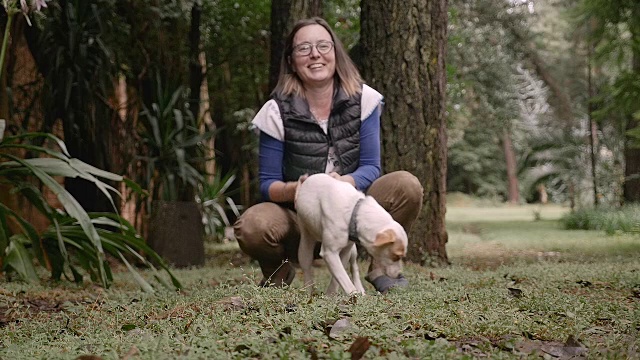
(573, 342)
(285, 332)
(584, 283)
(128, 327)
(232, 303)
(359, 347)
(313, 353)
(517, 293)
(339, 327)
(133, 351)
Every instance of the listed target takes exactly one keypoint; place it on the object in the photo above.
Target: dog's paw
(384, 283)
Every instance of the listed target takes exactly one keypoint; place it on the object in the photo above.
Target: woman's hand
(345, 178)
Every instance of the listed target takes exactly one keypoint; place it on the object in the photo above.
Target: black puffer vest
(306, 146)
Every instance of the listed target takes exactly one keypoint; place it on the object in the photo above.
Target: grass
(517, 287)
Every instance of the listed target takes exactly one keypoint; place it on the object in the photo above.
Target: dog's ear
(399, 249)
(385, 237)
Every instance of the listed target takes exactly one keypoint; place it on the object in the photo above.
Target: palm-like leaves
(173, 147)
(74, 239)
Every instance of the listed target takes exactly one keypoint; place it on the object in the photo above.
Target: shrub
(611, 220)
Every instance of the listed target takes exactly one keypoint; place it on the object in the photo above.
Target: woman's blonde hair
(347, 73)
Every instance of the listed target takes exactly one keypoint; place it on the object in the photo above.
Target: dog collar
(353, 223)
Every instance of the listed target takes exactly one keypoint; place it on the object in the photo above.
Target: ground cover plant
(520, 285)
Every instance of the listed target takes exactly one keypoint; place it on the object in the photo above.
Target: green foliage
(611, 220)
(75, 239)
(76, 62)
(232, 33)
(556, 161)
(215, 200)
(173, 153)
(483, 93)
(344, 18)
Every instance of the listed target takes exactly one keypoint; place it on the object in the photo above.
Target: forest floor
(519, 285)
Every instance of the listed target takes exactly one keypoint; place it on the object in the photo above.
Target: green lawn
(516, 287)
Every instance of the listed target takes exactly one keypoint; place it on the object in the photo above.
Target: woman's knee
(262, 229)
(401, 194)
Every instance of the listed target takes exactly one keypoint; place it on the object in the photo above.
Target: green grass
(579, 284)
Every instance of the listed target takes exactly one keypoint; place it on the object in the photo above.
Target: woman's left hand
(345, 178)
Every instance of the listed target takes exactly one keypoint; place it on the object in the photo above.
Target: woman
(321, 118)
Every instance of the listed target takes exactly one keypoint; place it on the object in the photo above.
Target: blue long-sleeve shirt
(271, 154)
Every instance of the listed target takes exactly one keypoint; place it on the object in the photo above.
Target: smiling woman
(322, 118)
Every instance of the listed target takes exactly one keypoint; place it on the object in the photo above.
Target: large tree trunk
(403, 44)
(284, 13)
(513, 195)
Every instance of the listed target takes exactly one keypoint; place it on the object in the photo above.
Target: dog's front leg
(345, 257)
(355, 270)
(332, 258)
(305, 258)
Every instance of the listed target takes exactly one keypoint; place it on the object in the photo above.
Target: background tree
(403, 46)
(284, 13)
(78, 84)
(615, 28)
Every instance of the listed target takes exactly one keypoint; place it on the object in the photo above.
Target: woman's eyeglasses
(304, 49)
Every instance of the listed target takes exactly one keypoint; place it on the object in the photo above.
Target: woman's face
(315, 68)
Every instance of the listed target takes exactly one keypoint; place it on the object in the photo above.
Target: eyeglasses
(304, 49)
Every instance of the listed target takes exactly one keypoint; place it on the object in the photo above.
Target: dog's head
(390, 247)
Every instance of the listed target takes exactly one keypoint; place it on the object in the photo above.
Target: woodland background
(515, 101)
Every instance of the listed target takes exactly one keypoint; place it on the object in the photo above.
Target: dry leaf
(359, 347)
(339, 327)
(517, 293)
(232, 303)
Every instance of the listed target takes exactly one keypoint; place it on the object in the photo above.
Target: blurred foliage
(75, 240)
(610, 220)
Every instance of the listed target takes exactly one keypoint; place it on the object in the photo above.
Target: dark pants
(269, 232)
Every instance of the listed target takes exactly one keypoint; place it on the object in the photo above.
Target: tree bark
(631, 188)
(403, 44)
(284, 13)
(513, 195)
(593, 127)
(195, 68)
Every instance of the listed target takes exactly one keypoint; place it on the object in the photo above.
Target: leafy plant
(610, 220)
(174, 147)
(216, 201)
(75, 239)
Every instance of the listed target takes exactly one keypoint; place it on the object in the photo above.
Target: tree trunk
(593, 127)
(403, 44)
(195, 69)
(284, 13)
(631, 186)
(513, 195)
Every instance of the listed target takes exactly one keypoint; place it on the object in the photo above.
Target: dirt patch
(489, 255)
(17, 306)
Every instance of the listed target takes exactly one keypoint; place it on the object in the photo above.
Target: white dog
(336, 214)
